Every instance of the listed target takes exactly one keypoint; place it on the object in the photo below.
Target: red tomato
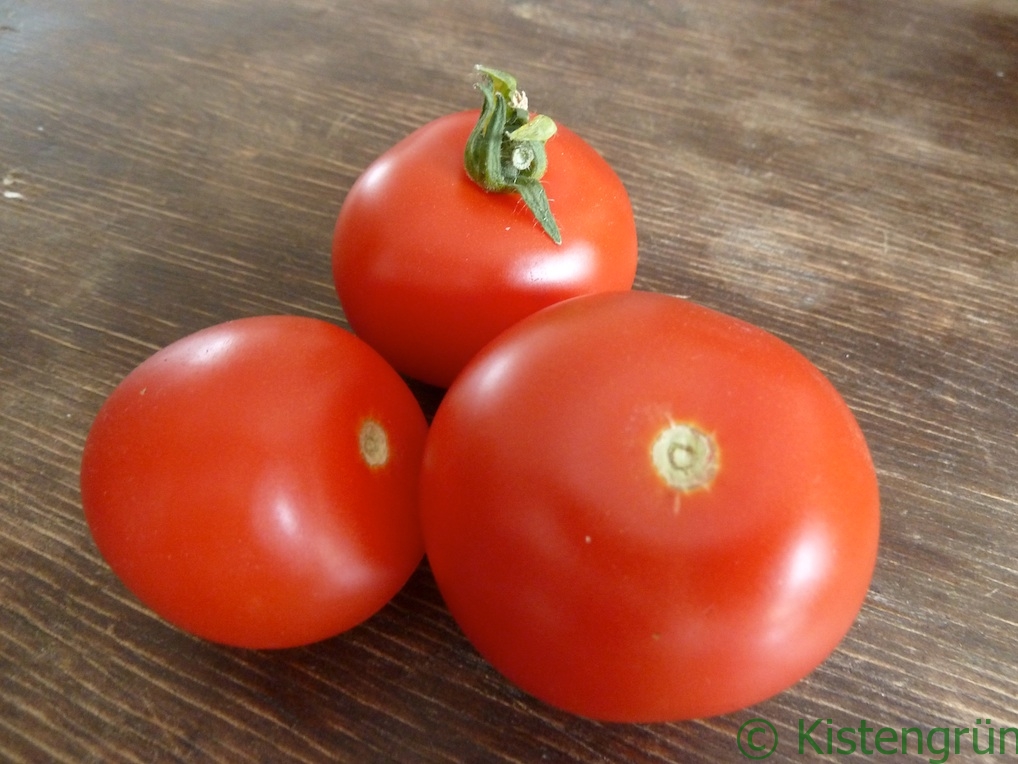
(640, 509)
(429, 267)
(255, 483)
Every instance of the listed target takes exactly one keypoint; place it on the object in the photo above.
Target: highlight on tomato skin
(429, 265)
(255, 483)
(639, 509)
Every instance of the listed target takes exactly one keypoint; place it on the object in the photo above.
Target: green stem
(505, 151)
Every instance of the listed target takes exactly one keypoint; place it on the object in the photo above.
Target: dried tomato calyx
(505, 151)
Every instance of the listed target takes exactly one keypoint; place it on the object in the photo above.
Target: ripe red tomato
(429, 267)
(255, 483)
(640, 509)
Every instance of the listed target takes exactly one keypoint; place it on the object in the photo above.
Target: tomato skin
(224, 483)
(429, 267)
(587, 580)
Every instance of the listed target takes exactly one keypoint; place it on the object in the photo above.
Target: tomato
(429, 266)
(640, 509)
(255, 483)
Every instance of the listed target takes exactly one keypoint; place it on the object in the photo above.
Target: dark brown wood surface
(842, 173)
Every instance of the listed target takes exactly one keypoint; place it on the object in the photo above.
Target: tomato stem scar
(374, 444)
(685, 457)
(505, 151)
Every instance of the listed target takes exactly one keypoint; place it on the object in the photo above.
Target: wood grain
(844, 174)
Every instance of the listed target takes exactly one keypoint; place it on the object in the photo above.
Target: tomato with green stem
(640, 509)
(255, 483)
(472, 222)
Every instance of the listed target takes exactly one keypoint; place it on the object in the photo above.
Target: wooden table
(844, 174)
